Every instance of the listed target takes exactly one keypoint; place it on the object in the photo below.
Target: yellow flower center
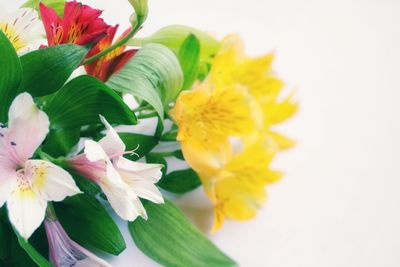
(12, 35)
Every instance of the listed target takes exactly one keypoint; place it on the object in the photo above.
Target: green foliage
(5, 237)
(11, 75)
(81, 101)
(59, 142)
(173, 37)
(32, 252)
(46, 70)
(189, 57)
(86, 185)
(180, 182)
(58, 5)
(153, 75)
(87, 222)
(170, 239)
(141, 144)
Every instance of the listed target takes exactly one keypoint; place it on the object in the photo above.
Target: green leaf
(32, 252)
(86, 185)
(5, 236)
(153, 75)
(189, 57)
(87, 222)
(46, 70)
(141, 144)
(81, 101)
(171, 240)
(173, 36)
(11, 75)
(180, 182)
(58, 5)
(60, 142)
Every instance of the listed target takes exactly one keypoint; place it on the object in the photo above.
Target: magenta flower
(65, 252)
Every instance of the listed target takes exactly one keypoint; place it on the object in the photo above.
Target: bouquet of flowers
(70, 90)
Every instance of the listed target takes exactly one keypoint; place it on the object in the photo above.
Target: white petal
(141, 178)
(26, 211)
(94, 151)
(8, 179)
(140, 171)
(51, 182)
(28, 126)
(111, 143)
(147, 191)
(123, 202)
(6, 187)
(25, 25)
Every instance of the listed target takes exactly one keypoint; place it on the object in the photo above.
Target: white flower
(23, 28)
(123, 181)
(26, 185)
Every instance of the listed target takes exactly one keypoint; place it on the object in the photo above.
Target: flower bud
(64, 251)
(141, 8)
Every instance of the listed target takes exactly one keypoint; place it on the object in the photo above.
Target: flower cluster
(238, 101)
(66, 164)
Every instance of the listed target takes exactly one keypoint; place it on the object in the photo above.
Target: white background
(339, 204)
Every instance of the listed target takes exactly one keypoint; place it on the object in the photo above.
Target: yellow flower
(207, 116)
(240, 98)
(237, 187)
(231, 66)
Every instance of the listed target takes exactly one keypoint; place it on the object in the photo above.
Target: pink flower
(25, 184)
(65, 252)
(123, 181)
(80, 24)
(112, 62)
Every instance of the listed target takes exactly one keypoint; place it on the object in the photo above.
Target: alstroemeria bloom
(65, 252)
(80, 24)
(232, 66)
(112, 62)
(122, 181)
(237, 186)
(27, 184)
(208, 116)
(23, 28)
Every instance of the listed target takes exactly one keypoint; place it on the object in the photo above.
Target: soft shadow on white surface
(339, 204)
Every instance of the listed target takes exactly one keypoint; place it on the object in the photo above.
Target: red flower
(80, 24)
(112, 62)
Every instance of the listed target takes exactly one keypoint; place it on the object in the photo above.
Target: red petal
(52, 24)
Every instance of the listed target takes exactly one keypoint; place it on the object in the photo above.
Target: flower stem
(50, 212)
(141, 108)
(148, 115)
(121, 42)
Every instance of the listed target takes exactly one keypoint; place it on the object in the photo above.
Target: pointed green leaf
(189, 57)
(58, 5)
(173, 36)
(81, 101)
(87, 222)
(153, 75)
(32, 252)
(10, 77)
(46, 70)
(171, 240)
(180, 182)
